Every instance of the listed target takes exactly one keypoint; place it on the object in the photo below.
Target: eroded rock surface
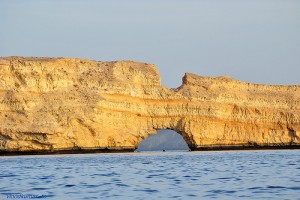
(61, 103)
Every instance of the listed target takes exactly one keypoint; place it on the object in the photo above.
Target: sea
(261, 174)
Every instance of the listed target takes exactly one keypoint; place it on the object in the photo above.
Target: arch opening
(164, 140)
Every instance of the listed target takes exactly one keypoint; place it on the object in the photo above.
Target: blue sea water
(154, 175)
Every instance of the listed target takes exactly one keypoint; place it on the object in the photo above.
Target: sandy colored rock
(62, 103)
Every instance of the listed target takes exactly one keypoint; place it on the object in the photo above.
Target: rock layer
(50, 104)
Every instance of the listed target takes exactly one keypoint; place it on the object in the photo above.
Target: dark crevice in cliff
(5, 137)
(293, 136)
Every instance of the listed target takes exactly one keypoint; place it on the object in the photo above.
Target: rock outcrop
(51, 104)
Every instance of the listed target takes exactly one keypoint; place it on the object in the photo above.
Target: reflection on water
(182, 175)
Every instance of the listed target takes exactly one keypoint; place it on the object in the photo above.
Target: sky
(255, 41)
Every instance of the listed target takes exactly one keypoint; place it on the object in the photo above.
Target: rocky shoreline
(125, 150)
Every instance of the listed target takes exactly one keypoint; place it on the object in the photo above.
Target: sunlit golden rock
(61, 103)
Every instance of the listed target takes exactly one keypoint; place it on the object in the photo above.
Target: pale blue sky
(251, 40)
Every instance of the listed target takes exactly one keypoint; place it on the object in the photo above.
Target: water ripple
(178, 175)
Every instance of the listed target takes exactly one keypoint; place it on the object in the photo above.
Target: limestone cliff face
(59, 103)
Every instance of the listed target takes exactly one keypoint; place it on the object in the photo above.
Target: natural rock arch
(187, 137)
(52, 104)
(161, 141)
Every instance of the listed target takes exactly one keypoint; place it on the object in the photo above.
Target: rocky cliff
(51, 104)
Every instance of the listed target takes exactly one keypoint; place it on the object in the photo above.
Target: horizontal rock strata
(50, 104)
